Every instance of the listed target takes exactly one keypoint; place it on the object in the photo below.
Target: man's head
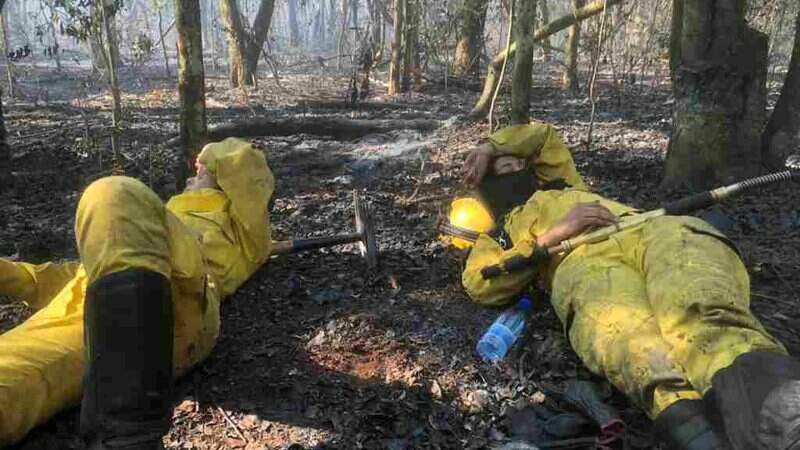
(508, 184)
(203, 179)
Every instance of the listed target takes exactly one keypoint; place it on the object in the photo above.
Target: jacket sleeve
(543, 148)
(246, 179)
(35, 284)
(499, 290)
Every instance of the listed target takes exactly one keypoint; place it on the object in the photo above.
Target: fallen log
(335, 127)
(370, 106)
(481, 107)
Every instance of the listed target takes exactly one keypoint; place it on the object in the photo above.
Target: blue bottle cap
(525, 303)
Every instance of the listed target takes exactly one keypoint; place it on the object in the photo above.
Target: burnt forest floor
(315, 352)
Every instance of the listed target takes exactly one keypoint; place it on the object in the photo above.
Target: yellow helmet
(467, 214)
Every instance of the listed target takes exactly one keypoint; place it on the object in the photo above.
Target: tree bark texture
(6, 50)
(545, 20)
(719, 84)
(111, 54)
(5, 151)
(782, 135)
(397, 47)
(481, 107)
(161, 41)
(294, 28)
(470, 41)
(523, 62)
(244, 48)
(570, 79)
(191, 82)
(411, 22)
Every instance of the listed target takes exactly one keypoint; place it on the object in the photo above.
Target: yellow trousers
(121, 224)
(658, 310)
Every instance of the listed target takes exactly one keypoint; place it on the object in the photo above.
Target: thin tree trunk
(354, 8)
(523, 63)
(470, 41)
(260, 31)
(570, 79)
(111, 69)
(161, 41)
(191, 82)
(782, 135)
(546, 40)
(719, 84)
(481, 107)
(54, 47)
(294, 28)
(5, 152)
(409, 43)
(6, 50)
(397, 48)
(332, 21)
(237, 41)
(342, 33)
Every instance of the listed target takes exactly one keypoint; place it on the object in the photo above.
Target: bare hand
(581, 218)
(477, 164)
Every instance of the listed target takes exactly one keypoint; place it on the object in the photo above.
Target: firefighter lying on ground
(661, 310)
(142, 304)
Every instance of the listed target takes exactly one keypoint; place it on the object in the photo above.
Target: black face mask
(502, 193)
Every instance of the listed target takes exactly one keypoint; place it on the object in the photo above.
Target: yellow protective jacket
(656, 309)
(542, 147)
(216, 240)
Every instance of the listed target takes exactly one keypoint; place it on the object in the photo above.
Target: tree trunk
(256, 42)
(570, 79)
(523, 63)
(782, 135)
(191, 83)
(354, 8)
(675, 37)
(5, 152)
(294, 28)
(111, 68)
(409, 43)
(546, 40)
(397, 47)
(161, 41)
(481, 107)
(470, 41)
(342, 36)
(6, 50)
(237, 42)
(332, 20)
(719, 84)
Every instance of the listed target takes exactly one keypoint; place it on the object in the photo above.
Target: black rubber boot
(684, 426)
(758, 397)
(127, 389)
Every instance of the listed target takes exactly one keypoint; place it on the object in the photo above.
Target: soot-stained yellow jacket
(544, 150)
(217, 239)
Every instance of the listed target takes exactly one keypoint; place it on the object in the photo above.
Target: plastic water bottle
(495, 343)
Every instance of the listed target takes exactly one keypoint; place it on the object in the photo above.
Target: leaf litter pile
(315, 351)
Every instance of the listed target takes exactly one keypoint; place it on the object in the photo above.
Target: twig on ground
(232, 424)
